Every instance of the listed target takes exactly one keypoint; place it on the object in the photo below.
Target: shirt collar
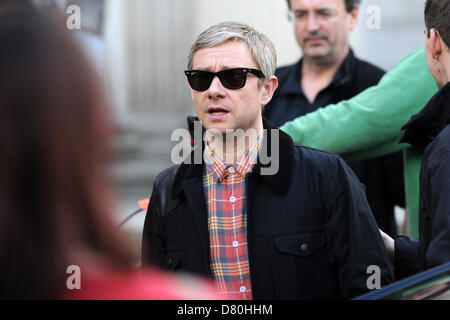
(220, 170)
(280, 181)
(426, 125)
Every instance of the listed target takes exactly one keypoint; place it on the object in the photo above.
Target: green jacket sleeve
(369, 124)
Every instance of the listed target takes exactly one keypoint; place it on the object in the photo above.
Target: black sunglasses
(233, 79)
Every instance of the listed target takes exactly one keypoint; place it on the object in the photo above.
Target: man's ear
(268, 88)
(435, 43)
(354, 14)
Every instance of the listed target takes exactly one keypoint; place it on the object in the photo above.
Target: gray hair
(260, 46)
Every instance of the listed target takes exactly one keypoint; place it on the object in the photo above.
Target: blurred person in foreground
(429, 132)
(55, 207)
(295, 227)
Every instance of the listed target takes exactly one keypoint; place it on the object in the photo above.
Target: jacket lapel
(193, 189)
(281, 180)
(189, 180)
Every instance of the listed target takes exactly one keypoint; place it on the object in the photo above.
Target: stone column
(147, 43)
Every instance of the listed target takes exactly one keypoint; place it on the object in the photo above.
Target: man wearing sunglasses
(303, 232)
(327, 73)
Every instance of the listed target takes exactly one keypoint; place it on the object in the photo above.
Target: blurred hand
(389, 245)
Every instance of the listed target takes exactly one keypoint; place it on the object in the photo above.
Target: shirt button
(231, 170)
(304, 247)
(242, 289)
(232, 199)
(235, 244)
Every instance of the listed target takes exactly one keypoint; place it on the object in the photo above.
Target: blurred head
(437, 23)
(349, 4)
(322, 27)
(226, 46)
(54, 136)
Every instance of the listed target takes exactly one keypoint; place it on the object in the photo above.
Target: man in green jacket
(369, 124)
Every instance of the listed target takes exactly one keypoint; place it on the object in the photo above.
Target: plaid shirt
(224, 186)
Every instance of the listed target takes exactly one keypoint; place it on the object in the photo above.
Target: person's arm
(354, 243)
(405, 251)
(369, 124)
(404, 255)
(439, 203)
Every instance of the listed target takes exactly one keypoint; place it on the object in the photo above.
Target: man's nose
(216, 88)
(312, 23)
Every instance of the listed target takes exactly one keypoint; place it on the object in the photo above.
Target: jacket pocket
(300, 244)
(303, 270)
(174, 257)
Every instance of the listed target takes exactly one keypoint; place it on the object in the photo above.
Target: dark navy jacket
(311, 234)
(429, 132)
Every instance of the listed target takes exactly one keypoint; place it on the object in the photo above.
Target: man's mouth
(217, 111)
(314, 39)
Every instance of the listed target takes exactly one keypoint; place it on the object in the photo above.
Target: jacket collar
(342, 76)
(424, 126)
(279, 182)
